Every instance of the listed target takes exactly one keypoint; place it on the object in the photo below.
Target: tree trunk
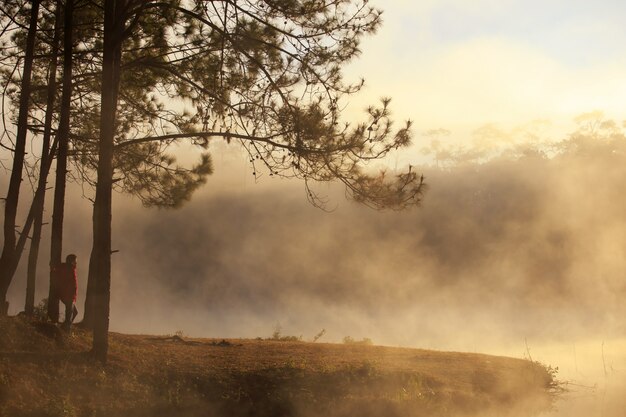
(46, 156)
(56, 243)
(101, 253)
(89, 297)
(7, 259)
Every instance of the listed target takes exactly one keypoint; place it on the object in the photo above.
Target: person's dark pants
(70, 313)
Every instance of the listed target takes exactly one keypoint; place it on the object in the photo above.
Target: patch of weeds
(553, 386)
(295, 363)
(415, 387)
(365, 371)
(174, 393)
(552, 372)
(223, 343)
(4, 385)
(90, 411)
(101, 377)
(289, 338)
(62, 407)
(350, 341)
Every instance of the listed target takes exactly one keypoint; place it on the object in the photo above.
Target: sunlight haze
(512, 242)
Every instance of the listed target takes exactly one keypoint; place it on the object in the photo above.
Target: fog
(520, 256)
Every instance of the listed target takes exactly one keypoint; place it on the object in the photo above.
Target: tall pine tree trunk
(56, 244)
(89, 297)
(46, 156)
(7, 259)
(101, 253)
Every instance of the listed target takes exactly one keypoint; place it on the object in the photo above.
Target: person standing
(67, 288)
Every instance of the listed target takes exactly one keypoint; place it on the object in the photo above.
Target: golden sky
(459, 64)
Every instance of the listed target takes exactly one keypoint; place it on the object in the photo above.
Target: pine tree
(7, 259)
(147, 173)
(46, 160)
(266, 74)
(63, 132)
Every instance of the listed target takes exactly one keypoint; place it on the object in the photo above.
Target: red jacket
(66, 282)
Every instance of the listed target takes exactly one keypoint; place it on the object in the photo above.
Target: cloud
(453, 64)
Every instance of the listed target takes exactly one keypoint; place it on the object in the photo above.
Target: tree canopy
(267, 75)
(146, 74)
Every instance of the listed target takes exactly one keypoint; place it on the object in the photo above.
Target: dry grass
(44, 372)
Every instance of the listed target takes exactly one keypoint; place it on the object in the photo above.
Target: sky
(458, 64)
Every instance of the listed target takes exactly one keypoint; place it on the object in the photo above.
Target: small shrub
(350, 341)
(40, 311)
(291, 339)
(277, 336)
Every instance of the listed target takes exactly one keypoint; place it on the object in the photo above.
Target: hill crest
(45, 372)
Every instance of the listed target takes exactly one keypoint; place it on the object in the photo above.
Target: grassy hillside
(44, 372)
